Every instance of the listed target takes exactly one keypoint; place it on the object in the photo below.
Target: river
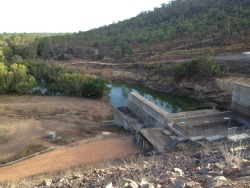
(171, 103)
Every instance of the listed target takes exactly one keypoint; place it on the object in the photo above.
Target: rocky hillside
(193, 169)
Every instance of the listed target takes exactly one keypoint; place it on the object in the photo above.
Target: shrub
(16, 59)
(204, 65)
(94, 87)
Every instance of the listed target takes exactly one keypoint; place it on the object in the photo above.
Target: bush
(70, 83)
(204, 65)
(185, 69)
(16, 59)
(94, 87)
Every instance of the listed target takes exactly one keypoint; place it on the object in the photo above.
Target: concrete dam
(155, 129)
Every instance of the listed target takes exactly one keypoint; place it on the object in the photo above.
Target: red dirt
(65, 157)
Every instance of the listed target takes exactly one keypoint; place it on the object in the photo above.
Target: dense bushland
(30, 77)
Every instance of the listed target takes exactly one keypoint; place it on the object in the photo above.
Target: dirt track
(65, 157)
(27, 119)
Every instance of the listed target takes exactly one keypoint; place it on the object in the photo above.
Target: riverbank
(214, 90)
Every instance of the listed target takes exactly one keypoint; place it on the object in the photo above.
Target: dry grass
(232, 158)
(29, 150)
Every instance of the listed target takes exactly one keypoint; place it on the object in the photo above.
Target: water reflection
(169, 102)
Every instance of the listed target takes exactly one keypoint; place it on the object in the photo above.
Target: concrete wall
(120, 120)
(146, 110)
(241, 99)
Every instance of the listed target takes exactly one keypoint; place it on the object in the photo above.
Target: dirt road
(65, 157)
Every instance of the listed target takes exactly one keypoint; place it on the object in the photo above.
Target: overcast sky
(68, 15)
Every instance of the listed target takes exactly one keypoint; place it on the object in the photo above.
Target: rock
(177, 184)
(77, 176)
(198, 155)
(58, 184)
(219, 166)
(121, 169)
(215, 173)
(161, 181)
(130, 183)
(109, 185)
(47, 182)
(145, 184)
(195, 162)
(245, 178)
(66, 182)
(158, 186)
(193, 184)
(60, 180)
(206, 177)
(178, 171)
(203, 170)
(216, 182)
(245, 171)
(231, 169)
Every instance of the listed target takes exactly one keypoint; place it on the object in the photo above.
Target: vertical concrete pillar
(241, 99)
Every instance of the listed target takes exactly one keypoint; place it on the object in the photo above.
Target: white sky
(68, 15)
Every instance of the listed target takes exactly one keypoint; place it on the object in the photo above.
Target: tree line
(25, 76)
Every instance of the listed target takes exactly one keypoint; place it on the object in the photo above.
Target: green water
(171, 103)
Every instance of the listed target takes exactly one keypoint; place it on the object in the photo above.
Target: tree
(94, 87)
(5, 78)
(71, 83)
(2, 57)
(16, 59)
(21, 81)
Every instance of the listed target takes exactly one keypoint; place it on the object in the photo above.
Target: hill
(155, 35)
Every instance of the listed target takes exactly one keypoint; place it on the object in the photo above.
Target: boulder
(215, 173)
(177, 183)
(130, 183)
(245, 171)
(109, 185)
(145, 184)
(195, 162)
(218, 166)
(232, 169)
(217, 181)
(47, 182)
(204, 170)
(245, 178)
(178, 171)
(193, 184)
